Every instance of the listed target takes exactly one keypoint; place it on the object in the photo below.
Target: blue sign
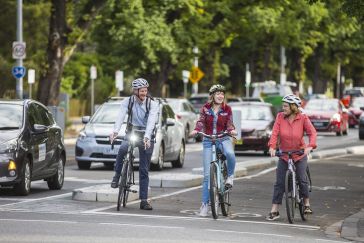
(18, 72)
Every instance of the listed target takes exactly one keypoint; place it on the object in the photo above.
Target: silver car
(185, 113)
(93, 142)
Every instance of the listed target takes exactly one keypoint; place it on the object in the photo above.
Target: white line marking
(258, 174)
(144, 225)
(329, 240)
(39, 220)
(13, 199)
(250, 233)
(39, 199)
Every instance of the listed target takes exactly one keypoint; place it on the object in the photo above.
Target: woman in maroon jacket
(215, 117)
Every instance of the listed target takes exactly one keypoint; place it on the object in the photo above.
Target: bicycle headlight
(9, 146)
(133, 138)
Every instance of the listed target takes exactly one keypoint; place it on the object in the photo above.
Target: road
(52, 216)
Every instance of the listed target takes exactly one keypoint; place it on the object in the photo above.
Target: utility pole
(19, 38)
(283, 73)
(93, 76)
(195, 63)
(247, 80)
(338, 80)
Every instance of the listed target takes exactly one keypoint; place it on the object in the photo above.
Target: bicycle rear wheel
(122, 185)
(290, 200)
(214, 193)
(225, 198)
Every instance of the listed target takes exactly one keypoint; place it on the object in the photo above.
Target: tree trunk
(319, 86)
(49, 85)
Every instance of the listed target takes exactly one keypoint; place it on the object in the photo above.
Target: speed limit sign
(19, 50)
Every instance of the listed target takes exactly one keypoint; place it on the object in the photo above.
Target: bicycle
(127, 171)
(219, 192)
(292, 193)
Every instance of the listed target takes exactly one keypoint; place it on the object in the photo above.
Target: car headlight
(82, 137)
(9, 146)
(336, 117)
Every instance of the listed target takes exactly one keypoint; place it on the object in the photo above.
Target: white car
(93, 142)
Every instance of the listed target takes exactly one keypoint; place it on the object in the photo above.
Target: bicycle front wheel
(225, 198)
(128, 182)
(122, 185)
(214, 193)
(290, 199)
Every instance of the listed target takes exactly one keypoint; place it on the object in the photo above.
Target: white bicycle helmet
(216, 88)
(139, 83)
(292, 99)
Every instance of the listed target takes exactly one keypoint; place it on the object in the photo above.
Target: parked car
(328, 115)
(198, 100)
(185, 113)
(361, 125)
(257, 119)
(233, 99)
(355, 111)
(252, 99)
(93, 142)
(31, 146)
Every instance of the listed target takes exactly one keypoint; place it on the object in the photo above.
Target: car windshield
(175, 105)
(198, 100)
(322, 105)
(357, 103)
(11, 116)
(107, 113)
(252, 112)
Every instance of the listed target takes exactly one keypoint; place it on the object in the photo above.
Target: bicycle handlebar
(279, 153)
(216, 136)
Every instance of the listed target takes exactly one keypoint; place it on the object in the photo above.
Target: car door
(38, 141)
(166, 137)
(53, 133)
(172, 134)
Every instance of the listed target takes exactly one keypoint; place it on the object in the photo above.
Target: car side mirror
(85, 119)
(38, 128)
(170, 122)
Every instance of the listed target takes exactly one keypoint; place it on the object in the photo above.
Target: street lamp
(93, 76)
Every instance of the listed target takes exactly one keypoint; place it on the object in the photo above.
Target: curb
(103, 193)
(350, 227)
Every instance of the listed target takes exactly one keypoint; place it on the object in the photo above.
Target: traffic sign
(196, 74)
(19, 50)
(18, 72)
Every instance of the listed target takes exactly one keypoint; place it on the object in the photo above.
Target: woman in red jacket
(290, 126)
(215, 117)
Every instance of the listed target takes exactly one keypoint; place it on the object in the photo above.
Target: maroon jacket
(206, 119)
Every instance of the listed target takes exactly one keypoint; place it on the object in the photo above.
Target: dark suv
(31, 146)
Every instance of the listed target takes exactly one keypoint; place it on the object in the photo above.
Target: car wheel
(345, 132)
(181, 157)
(23, 188)
(160, 162)
(361, 134)
(56, 181)
(84, 165)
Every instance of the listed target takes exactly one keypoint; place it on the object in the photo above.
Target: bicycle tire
(122, 185)
(290, 200)
(128, 182)
(214, 194)
(225, 197)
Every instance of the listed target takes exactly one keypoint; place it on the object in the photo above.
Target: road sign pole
(195, 85)
(93, 76)
(185, 77)
(19, 37)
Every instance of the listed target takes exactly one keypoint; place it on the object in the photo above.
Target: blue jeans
(226, 146)
(144, 162)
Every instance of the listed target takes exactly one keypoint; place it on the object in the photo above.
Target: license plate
(239, 142)
(110, 151)
(318, 124)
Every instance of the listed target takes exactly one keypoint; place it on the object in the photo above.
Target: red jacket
(206, 119)
(291, 134)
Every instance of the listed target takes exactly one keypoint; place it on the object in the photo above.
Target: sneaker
(307, 210)
(203, 210)
(229, 181)
(144, 205)
(115, 181)
(273, 216)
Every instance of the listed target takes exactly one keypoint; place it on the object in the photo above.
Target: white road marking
(40, 220)
(144, 225)
(39, 199)
(250, 233)
(329, 240)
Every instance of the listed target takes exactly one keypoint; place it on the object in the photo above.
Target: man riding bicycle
(215, 117)
(142, 113)
(290, 126)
